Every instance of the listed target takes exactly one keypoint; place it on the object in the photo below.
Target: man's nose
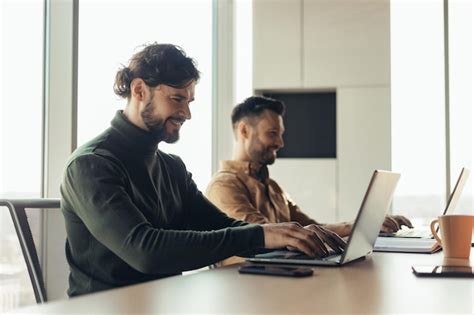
(187, 112)
(280, 142)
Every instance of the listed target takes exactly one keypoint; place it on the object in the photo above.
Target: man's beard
(263, 155)
(157, 126)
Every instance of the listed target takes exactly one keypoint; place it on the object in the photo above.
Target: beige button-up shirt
(247, 193)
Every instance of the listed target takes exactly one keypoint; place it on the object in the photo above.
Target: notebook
(420, 239)
(373, 209)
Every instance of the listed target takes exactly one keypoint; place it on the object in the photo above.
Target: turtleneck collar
(134, 138)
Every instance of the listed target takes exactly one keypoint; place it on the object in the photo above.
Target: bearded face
(261, 153)
(167, 110)
(157, 126)
(266, 137)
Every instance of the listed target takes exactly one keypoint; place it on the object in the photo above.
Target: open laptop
(420, 239)
(366, 228)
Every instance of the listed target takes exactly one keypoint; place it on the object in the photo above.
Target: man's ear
(243, 130)
(138, 89)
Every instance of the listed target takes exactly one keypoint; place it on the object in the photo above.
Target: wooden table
(382, 283)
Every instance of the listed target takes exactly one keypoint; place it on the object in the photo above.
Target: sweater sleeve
(95, 187)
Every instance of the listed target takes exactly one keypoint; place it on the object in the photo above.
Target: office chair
(20, 221)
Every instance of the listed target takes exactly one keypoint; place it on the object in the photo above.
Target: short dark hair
(157, 64)
(253, 106)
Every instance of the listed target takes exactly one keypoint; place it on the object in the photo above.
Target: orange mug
(456, 234)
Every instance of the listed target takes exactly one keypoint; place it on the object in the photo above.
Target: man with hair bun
(132, 212)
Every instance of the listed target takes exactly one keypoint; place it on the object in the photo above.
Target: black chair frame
(17, 212)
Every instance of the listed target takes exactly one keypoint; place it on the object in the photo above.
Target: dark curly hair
(253, 106)
(157, 64)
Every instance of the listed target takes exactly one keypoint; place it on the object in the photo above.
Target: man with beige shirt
(243, 188)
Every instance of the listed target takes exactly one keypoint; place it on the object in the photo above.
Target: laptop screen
(456, 194)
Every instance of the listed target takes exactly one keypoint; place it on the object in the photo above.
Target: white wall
(346, 43)
(277, 38)
(311, 185)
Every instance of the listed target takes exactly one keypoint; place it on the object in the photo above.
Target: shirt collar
(252, 169)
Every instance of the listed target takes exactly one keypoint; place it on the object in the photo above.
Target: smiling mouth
(176, 121)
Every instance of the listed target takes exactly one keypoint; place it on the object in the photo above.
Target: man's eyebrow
(182, 96)
(277, 129)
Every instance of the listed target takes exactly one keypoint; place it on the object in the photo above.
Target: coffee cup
(456, 234)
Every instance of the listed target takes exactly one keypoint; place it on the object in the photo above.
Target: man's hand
(333, 240)
(393, 223)
(293, 235)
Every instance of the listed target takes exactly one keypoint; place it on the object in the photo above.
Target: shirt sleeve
(95, 186)
(231, 196)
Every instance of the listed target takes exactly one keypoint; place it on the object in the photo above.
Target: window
(418, 104)
(418, 109)
(21, 86)
(103, 47)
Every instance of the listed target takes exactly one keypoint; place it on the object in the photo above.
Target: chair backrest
(20, 221)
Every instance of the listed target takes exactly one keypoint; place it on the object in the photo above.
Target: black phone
(443, 271)
(276, 270)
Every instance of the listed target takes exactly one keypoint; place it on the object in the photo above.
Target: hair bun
(123, 78)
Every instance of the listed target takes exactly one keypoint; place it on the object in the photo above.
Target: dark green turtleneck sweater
(134, 214)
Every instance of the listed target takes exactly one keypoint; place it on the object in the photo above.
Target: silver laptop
(366, 228)
(420, 239)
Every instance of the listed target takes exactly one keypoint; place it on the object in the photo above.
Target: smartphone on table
(276, 270)
(443, 271)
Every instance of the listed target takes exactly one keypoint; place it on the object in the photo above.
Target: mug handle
(433, 231)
